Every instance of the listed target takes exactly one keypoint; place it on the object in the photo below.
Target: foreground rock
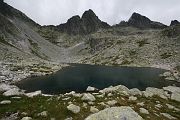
(115, 113)
(73, 108)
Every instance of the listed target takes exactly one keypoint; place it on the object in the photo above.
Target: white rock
(32, 94)
(170, 106)
(132, 98)
(13, 92)
(5, 102)
(77, 95)
(175, 96)
(110, 95)
(70, 93)
(158, 106)
(154, 91)
(168, 116)
(93, 109)
(90, 89)
(5, 87)
(115, 113)
(70, 118)
(112, 102)
(140, 104)
(143, 110)
(26, 118)
(119, 88)
(43, 114)
(88, 97)
(172, 89)
(166, 74)
(135, 91)
(73, 108)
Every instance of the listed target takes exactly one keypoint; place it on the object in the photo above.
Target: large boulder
(115, 113)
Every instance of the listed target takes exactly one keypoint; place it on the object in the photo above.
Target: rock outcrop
(174, 22)
(88, 23)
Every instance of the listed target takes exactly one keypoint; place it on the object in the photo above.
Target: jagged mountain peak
(89, 14)
(140, 21)
(88, 23)
(174, 22)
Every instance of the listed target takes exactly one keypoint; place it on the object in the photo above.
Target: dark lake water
(78, 77)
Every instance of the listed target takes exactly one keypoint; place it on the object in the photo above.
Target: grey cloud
(47, 12)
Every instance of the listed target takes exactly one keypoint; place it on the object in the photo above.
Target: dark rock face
(88, 23)
(140, 21)
(174, 22)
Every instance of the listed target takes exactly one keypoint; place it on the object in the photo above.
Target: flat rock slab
(115, 113)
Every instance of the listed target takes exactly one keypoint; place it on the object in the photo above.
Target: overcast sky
(54, 12)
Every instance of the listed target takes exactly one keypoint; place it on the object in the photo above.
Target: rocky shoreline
(100, 103)
(110, 103)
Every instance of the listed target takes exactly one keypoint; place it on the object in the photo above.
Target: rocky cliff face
(88, 23)
(140, 21)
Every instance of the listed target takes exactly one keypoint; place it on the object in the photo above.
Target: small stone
(170, 106)
(112, 102)
(88, 97)
(73, 108)
(132, 98)
(24, 113)
(140, 104)
(43, 114)
(4, 102)
(158, 106)
(69, 118)
(26, 118)
(93, 109)
(110, 95)
(90, 89)
(16, 97)
(143, 110)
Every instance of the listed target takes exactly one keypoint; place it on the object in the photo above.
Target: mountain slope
(18, 31)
